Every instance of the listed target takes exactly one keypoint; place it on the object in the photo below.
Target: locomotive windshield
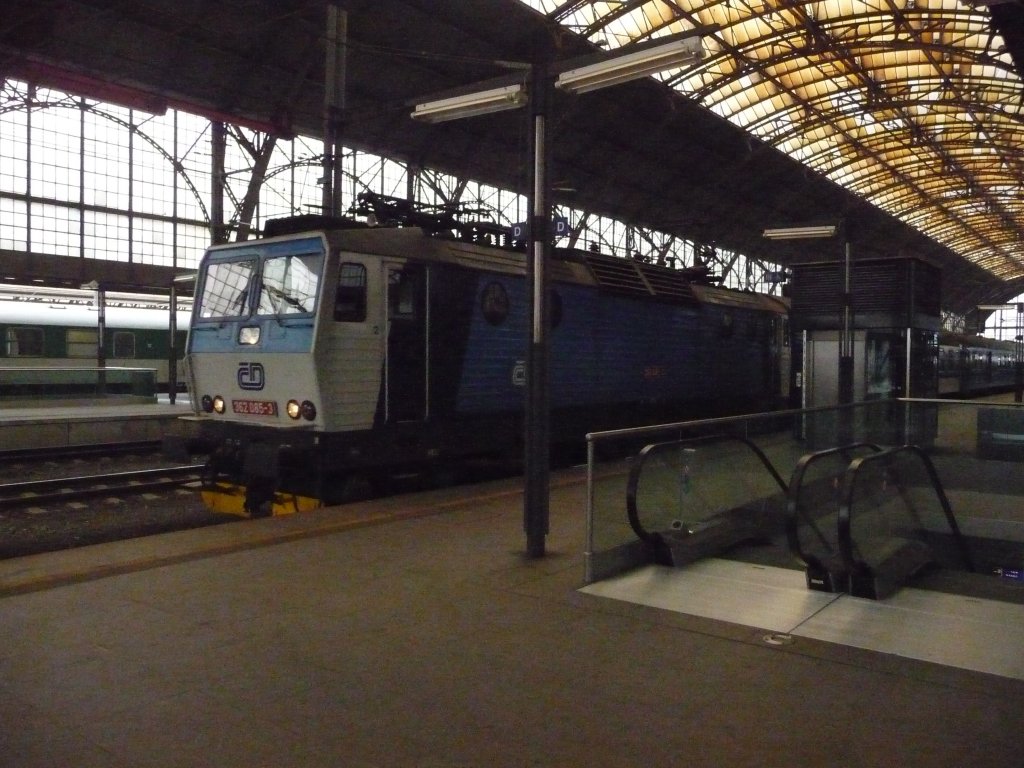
(275, 286)
(289, 285)
(226, 289)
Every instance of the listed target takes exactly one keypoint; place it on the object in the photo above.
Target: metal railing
(41, 384)
(976, 449)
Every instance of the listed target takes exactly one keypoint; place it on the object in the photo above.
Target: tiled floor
(953, 630)
(427, 639)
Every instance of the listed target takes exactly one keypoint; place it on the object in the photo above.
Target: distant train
(970, 366)
(58, 328)
(320, 357)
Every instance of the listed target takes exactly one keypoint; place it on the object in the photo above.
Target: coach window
(350, 297)
(124, 345)
(24, 342)
(82, 342)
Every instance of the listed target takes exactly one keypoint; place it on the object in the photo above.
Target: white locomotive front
(286, 357)
(252, 337)
(252, 347)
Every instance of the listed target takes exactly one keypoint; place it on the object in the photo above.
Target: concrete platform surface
(50, 427)
(413, 631)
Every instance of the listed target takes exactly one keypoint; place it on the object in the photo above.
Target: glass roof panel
(915, 105)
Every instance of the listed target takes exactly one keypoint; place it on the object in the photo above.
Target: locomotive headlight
(218, 404)
(207, 403)
(249, 334)
(305, 409)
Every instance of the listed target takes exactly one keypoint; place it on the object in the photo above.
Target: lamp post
(537, 448)
(845, 386)
(845, 394)
(579, 75)
(334, 105)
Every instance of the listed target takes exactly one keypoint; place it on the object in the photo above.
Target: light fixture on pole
(631, 66)
(650, 59)
(801, 233)
(846, 362)
(471, 104)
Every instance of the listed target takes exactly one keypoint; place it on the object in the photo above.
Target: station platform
(96, 422)
(414, 631)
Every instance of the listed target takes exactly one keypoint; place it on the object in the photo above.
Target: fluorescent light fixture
(631, 66)
(471, 104)
(801, 233)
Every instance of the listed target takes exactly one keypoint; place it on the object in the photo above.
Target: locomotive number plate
(255, 407)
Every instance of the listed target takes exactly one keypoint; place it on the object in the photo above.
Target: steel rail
(35, 492)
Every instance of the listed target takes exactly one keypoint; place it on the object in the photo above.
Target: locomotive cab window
(226, 289)
(124, 345)
(24, 342)
(350, 297)
(289, 284)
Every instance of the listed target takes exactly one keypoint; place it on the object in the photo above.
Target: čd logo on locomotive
(251, 376)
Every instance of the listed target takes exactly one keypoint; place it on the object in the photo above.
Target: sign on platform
(559, 228)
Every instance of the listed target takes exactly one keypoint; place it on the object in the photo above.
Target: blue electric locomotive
(322, 357)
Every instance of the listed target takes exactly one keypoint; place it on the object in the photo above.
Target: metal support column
(537, 458)
(261, 154)
(846, 338)
(172, 346)
(101, 347)
(1018, 356)
(334, 104)
(846, 366)
(218, 149)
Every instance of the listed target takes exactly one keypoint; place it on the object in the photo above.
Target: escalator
(684, 508)
(860, 519)
(884, 520)
(814, 496)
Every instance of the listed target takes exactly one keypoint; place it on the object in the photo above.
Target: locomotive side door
(406, 360)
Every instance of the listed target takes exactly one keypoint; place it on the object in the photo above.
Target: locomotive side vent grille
(617, 275)
(667, 282)
(631, 278)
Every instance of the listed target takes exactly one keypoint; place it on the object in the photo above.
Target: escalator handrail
(793, 509)
(845, 533)
(637, 469)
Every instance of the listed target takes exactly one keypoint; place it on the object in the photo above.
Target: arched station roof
(913, 105)
(900, 119)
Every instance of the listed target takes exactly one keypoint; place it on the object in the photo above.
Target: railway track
(44, 514)
(80, 451)
(32, 493)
